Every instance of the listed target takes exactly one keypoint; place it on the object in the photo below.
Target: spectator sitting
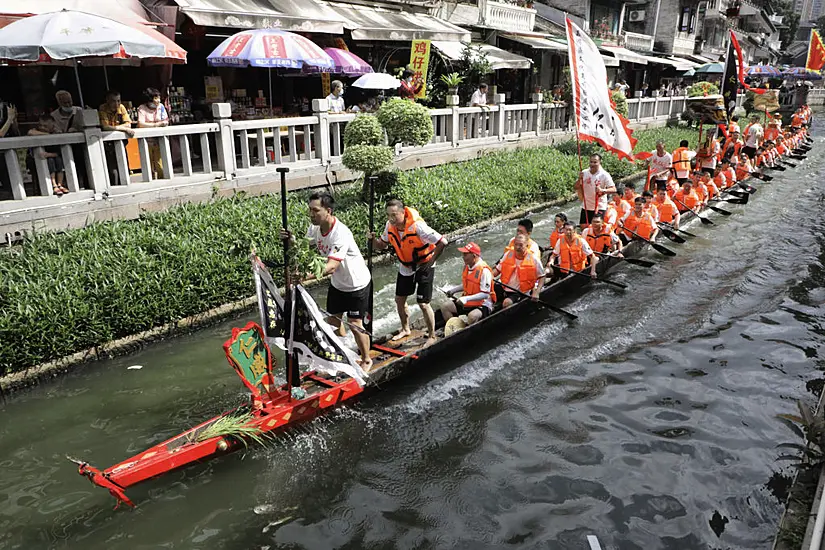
(46, 126)
(67, 117)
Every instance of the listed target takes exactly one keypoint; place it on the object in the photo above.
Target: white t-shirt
(336, 104)
(661, 164)
(706, 162)
(590, 182)
(478, 98)
(339, 244)
(754, 135)
(585, 247)
(425, 232)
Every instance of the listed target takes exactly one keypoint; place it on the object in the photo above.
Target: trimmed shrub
(621, 102)
(369, 159)
(406, 122)
(702, 88)
(364, 130)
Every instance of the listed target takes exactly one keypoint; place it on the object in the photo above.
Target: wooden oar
(734, 200)
(682, 231)
(597, 279)
(780, 168)
(657, 247)
(720, 210)
(667, 232)
(763, 177)
(789, 164)
(634, 261)
(798, 157)
(702, 219)
(549, 306)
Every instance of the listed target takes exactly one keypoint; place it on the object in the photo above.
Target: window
(687, 20)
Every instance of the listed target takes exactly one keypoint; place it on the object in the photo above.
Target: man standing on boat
(660, 164)
(592, 187)
(349, 287)
(754, 134)
(478, 295)
(417, 246)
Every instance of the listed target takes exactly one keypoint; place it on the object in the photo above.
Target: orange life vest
(601, 242)
(730, 176)
(571, 255)
(681, 161)
(667, 210)
(471, 283)
(554, 238)
(525, 270)
(611, 215)
(771, 133)
(532, 246)
(701, 191)
(643, 225)
(409, 247)
(720, 180)
(690, 200)
(796, 121)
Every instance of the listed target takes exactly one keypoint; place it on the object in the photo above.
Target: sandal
(64, 189)
(58, 191)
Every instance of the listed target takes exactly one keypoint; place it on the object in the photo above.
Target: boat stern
(101, 480)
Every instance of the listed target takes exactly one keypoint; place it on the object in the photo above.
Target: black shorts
(586, 216)
(405, 285)
(464, 310)
(515, 297)
(750, 151)
(355, 304)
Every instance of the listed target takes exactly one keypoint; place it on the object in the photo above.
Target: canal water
(650, 423)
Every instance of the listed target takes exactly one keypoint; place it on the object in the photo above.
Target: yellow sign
(214, 88)
(419, 63)
(325, 91)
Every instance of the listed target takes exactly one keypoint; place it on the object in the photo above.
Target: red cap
(472, 248)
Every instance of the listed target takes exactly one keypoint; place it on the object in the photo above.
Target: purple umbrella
(345, 63)
(801, 73)
(762, 70)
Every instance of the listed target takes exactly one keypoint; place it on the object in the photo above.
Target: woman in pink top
(152, 114)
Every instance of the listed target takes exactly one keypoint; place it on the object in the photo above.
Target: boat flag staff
(596, 118)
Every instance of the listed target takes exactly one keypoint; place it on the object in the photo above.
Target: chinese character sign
(419, 63)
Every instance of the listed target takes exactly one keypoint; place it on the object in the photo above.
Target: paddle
(671, 235)
(549, 306)
(720, 210)
(780, 168)
(657, 247)
(798, 157)
(735, 199)
(789, 164)
(763, 177)
(688, 233)
(634, 261)
(597, 279)
(704, 220)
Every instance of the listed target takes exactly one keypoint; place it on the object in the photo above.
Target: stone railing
(816, 96)
(639, 42)
(507, 17)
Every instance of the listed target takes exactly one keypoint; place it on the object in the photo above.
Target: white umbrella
(377, 81)
(74, 34)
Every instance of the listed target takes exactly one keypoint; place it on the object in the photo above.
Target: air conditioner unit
(636, 15)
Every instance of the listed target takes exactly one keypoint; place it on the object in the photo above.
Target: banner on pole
(816, 53)
(595, 116)
(730, 83)
(420, 63)
(769, 101)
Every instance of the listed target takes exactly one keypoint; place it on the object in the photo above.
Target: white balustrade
(507, 17)
(520, 120)
(26, 162)
(476, 122)
(275, 141)
(638, 41)
(442, 125)
(683, 43)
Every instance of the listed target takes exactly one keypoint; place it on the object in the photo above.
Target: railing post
(670, 107)
(538, 98)
(501, 116)
(455, 119)
(225, 140)
(320, 108)
(95, 152)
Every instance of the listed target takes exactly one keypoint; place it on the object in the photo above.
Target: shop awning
(685, 62)
(678, 64)
(610, 61)
(702, 59)
(623, 54)
(367, 23)
(536, 42)
(498, 58)
(288, 15)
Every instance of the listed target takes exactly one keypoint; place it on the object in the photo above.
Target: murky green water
(650, 423)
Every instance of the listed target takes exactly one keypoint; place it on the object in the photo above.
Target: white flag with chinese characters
(596, 118)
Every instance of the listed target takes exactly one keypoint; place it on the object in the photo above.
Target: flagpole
(290, 359)
(576, 119)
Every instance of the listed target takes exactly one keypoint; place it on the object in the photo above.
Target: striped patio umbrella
(762, 70)
(345, 63)
(801, 73)
(270, 48)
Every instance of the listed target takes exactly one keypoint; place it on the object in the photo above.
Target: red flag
(816, 53)
(644, 155)
(735, 43)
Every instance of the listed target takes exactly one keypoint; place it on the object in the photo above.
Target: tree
(790, 21)
(820, 25)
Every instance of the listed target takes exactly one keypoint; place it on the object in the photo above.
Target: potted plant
(452, 81)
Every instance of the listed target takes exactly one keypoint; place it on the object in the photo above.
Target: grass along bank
(68, 292)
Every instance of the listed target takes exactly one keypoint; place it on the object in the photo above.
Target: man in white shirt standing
(753, 137)
(479, 97)
(349, 289)
(660, 164)
(592, 187)
(336, 97)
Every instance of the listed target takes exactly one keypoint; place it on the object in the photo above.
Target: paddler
(417, 246)
(668, 211)
(629, 194)
(349, 288)
(478, 295)
(681, 161)
(558, 232)
(572, 252)
(660, 164)
(686, 199)
(525, 228)
(520, 268)
(621, 207)
(753, 136)
(650, 207)
(707, 155)
(601, 238)
(732, 147)
(639, 222)
(592, 187)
